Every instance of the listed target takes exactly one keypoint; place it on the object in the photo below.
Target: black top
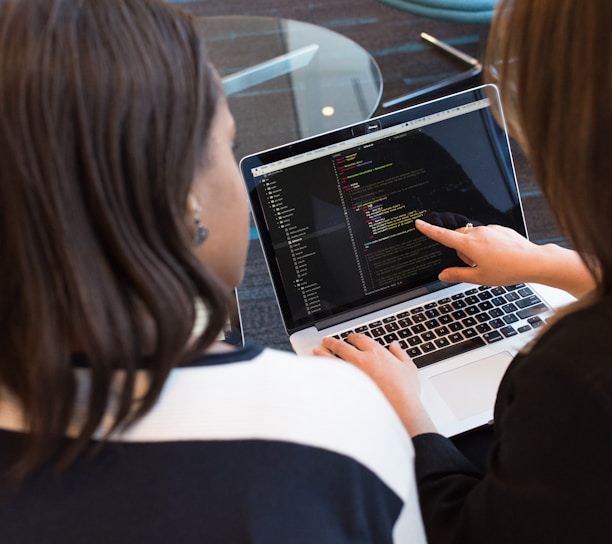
(549, 471)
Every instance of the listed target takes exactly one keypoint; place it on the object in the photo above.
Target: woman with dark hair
(125, 227)
(547, 476)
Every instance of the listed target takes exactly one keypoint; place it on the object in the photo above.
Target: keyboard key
(469, 322)
(528, 301)
(510, 318)
(533, 310)
(442, 331)
(508, 331)
(432, 323)
(493, 336)
(515, 287)
(472, 310)
(442, 342)
(470, 333)
(524, 328)
(497, 323)
(525, 292)
(390, 338)
(459, 314)
(415, 341)
(455, 337)
(428, 347)
(483, 327)
(392, 327)
(377, 332)
(535, 322)
(419, 318)
(414, 352)
(404, 322)
(483, 317)
(509, 308)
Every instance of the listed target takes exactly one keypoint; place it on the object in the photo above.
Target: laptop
(335, 215)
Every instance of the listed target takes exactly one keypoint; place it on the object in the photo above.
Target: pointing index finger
(447, 237)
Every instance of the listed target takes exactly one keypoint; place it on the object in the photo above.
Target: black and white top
(548, 476)
(255, 446)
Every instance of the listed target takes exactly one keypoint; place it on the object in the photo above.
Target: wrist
(416, 420)
(562, 268)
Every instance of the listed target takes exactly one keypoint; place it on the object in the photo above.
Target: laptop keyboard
(460, 323)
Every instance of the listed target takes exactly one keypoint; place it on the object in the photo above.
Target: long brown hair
(553, 62)
(105, 110)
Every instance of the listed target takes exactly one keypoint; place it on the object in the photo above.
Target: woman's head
(106, 114)
(553, 62)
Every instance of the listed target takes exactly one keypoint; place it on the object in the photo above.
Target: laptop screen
(335, 213)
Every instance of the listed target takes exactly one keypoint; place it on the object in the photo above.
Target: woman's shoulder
(572, 354)
(268, 394)
(583, 330)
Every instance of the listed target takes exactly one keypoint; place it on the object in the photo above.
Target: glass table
(286, 80)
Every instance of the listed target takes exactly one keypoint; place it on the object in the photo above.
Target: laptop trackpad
(471, 389)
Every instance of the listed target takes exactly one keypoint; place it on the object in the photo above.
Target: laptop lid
(335, 212)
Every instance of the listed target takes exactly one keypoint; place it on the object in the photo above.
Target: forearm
(415, 418)
(562, 268)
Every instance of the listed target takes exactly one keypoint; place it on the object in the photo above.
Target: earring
(201, 232)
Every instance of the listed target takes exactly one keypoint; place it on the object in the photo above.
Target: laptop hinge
(332, 321)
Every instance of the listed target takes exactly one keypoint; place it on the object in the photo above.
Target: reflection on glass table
(287, 80)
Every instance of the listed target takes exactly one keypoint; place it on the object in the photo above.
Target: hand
(392, 370)
(496, 255)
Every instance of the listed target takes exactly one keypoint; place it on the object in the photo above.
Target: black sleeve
(548, 475)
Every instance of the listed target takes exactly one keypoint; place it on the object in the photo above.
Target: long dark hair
(105, 111)
(553, 62)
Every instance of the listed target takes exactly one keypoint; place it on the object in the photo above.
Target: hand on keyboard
(391, 369)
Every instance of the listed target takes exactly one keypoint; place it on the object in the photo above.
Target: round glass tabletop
(286, 80)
